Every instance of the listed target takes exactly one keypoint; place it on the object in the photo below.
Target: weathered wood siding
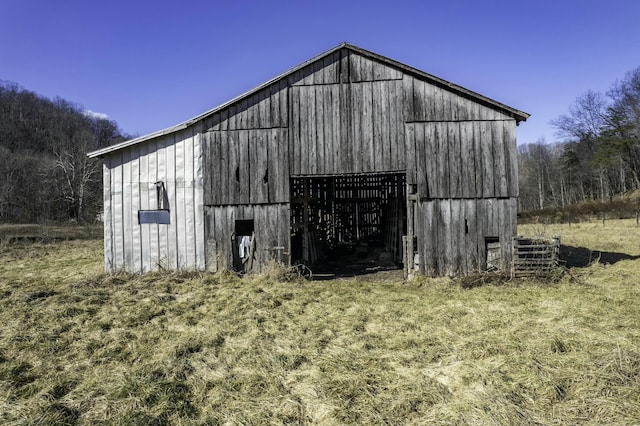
(265, 109)
(246, 167)
(451, 233)
(129, 185)
(271, 227)
(346, 117)
(462, 159)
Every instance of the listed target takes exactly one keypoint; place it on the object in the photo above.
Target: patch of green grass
(81, 347)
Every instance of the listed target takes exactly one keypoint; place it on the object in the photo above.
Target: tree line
(45, 174)
(598, 157)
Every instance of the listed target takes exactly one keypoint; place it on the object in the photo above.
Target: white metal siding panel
(143, 188)
(152, 196)
(107, 215)
(117, 211)
(135, 235)
(163, 230)
(198, 197)
(180, 224)
(172, 240)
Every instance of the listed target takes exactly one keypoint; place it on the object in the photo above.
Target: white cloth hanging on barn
(244, 246)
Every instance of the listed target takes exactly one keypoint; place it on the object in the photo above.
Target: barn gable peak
(342, 48)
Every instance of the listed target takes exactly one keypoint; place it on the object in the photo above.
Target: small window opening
(466, 226)
(238, 174)
(161, 214)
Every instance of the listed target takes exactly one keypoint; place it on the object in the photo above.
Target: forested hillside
(44, 171)
(598, 158)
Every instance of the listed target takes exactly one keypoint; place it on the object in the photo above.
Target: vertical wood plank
(471, 236)
(459, 245)
(486, 144)
(294, 130)
(378, 123)
(327, 131)
(430, 160)
(356, 120)
(231, 143)
(410, 148)
(354, 67)
(429, 94)
(274, 105)
(320, 144)
(346, 131)
(455, 162)
(245, 167)
(284, 167)
(438, 113)
(274, 168)
(306, 116)
(284, 104)
(499, 163)
(392, 108)
(421, 160)
(468, 174)
(224, 119)
(284, 237)
(217, 236)
(223, 177)
(408, 110)
(477, 156)
(367, 146)
(366, 69)
(440, 136)
(211, 250)
(418, 100)
(481, 227)
(511, 157)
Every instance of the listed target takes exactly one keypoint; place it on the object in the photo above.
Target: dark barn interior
(348, 224)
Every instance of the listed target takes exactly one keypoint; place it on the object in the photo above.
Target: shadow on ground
(581, 257)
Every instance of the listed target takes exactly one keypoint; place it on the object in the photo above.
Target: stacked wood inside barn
(348, 146)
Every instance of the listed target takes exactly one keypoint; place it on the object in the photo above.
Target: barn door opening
(348, 224)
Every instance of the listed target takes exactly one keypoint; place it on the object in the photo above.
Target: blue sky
(151, 64)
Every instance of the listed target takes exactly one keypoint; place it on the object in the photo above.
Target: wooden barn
(349, 147)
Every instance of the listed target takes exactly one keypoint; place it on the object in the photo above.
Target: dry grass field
(81, 347)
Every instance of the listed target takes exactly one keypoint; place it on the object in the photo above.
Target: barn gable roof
(512, 112)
